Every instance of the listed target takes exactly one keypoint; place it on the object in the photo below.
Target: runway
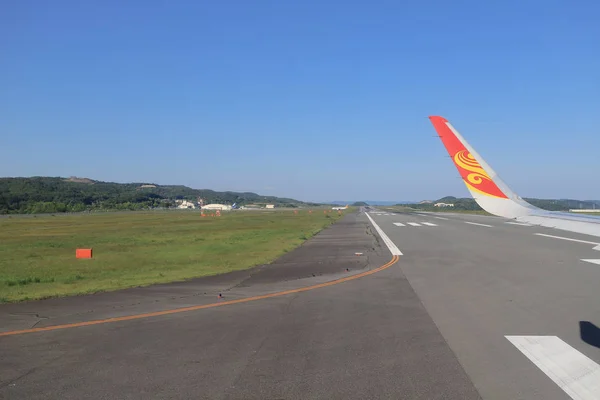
(461, 314)
(484, 278)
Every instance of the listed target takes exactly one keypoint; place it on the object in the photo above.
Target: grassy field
(37, 254)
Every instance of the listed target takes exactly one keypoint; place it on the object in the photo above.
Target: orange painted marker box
(83, 253)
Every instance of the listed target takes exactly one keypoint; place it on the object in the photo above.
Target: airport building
(220, 207)
(185, 204)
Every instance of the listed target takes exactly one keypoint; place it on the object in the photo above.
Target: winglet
(486, 187)
(476, 178)
(494, 196)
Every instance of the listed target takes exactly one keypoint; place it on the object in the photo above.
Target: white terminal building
(220, 207)
(185, 204)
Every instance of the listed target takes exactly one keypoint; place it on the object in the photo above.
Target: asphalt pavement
(484, 279)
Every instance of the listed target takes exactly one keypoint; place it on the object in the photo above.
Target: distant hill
(56, 194)
(80, 180)
(370, 202)
(546, 204)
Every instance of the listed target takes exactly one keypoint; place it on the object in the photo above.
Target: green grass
(37, 255)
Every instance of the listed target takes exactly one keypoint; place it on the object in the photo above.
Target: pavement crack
(250, 360)
(37, 322)
(23, 375)
(284, 311)
(32, 315)
(27, 373)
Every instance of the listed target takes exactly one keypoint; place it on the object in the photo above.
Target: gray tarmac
(480, 283)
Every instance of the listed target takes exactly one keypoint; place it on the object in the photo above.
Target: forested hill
(47, 194)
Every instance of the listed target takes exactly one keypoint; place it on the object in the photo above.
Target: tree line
(56, 195)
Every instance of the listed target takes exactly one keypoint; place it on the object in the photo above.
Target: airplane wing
(494, 196)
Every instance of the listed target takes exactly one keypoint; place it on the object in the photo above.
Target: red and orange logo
(475, 176)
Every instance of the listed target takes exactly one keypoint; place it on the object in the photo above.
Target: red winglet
(472, 173)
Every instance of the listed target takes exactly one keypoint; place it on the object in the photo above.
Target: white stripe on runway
(591, 260)
(393, 249)
(445, 219)
(413, 224)
(428, 224)
(572, 371)
(566, 238)
(399, 224)
(518, 223)
(475, 223)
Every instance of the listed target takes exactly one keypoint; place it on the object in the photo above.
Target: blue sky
(316, 100)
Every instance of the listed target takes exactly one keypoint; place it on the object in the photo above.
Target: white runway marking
(428, 224)
(478, 224)
(445, 219)
(590, 260)
(518, 223)
(413, 224)
(393, 249)
(399, 224)
(572, 371)
(566, 238)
